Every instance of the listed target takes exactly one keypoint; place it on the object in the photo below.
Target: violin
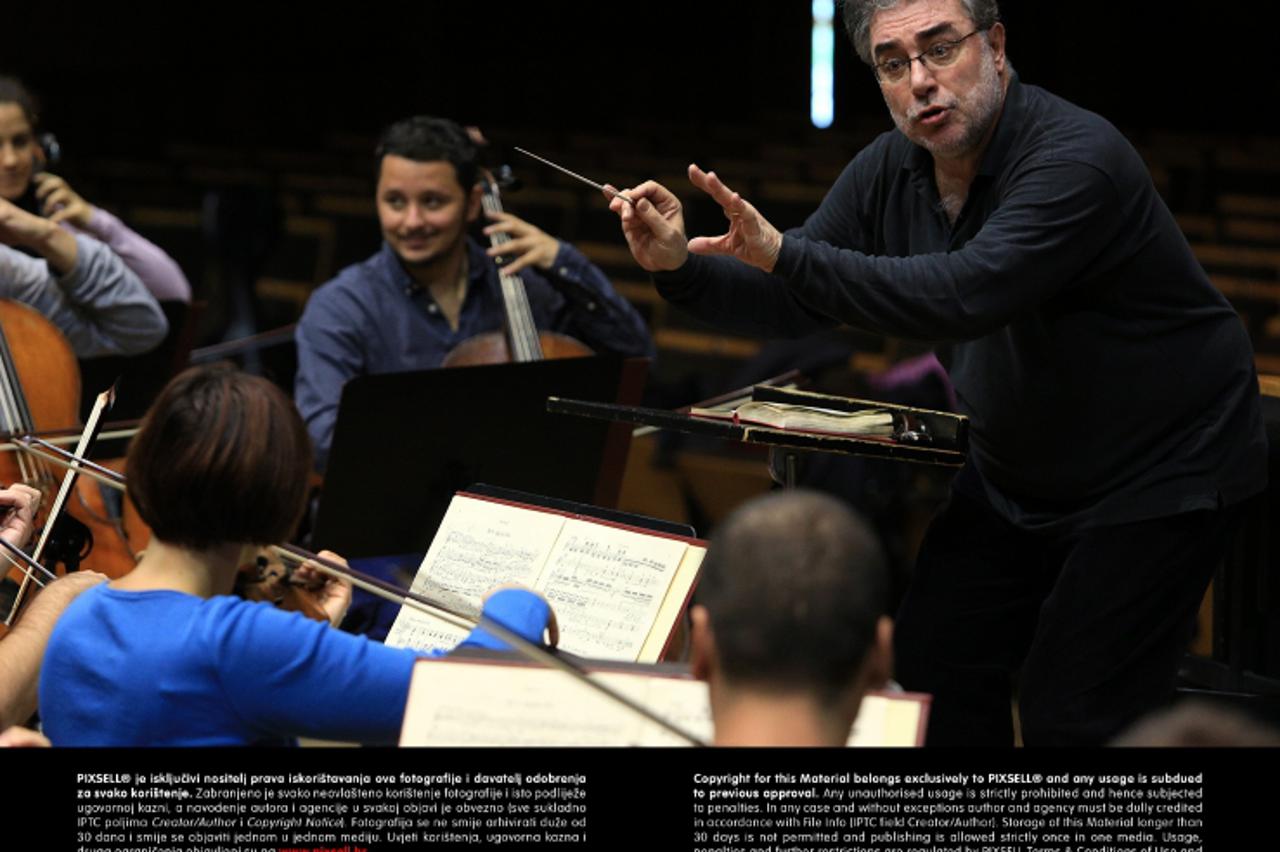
(520, 339)
(330, 567)
(269, 579)
(265, 578)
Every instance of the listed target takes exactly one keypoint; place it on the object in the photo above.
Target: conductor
(1115, 419)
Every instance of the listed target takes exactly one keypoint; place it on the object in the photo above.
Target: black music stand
(404, 443)
(921, 435)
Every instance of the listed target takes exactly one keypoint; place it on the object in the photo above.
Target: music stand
(404, 443)
(921, 435)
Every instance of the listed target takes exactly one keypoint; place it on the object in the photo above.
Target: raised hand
(750, 238)
(653, 225)
(60, 202)
(332, 594)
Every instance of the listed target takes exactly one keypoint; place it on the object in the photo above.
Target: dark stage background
(239, 139)
(212, 72)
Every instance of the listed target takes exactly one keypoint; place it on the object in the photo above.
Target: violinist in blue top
(167, 656)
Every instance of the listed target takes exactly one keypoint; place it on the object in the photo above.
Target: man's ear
(702, 643)
(995, 38)
(878, 667)
(474, 201)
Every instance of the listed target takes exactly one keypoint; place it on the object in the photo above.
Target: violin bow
(107, 432)
(20, 559)
(103, 402)
(534, 651)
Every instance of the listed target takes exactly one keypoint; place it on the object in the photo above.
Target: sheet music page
(682, 702)
(425, 632)
(673, 605)
(606, 585)
(887, 719)
(480, 545)
(459, 703)
(421, 632)
(455, 703)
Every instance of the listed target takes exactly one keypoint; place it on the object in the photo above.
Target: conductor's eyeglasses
(940, 54)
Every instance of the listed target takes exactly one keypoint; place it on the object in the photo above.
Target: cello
(520, 340)
(39, 390)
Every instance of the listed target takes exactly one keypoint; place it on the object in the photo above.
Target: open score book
(617, 591)
(460, 701)
(872, 423)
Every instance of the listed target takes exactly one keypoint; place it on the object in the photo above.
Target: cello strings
(518, 341)
(10, 396)
(9, 406)
(524, 334)
(39, 472)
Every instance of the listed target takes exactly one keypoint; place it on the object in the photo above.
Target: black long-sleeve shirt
(1107, 381)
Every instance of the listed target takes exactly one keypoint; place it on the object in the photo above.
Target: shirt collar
(393, 272)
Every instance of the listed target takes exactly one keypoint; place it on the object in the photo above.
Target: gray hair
(858, 15)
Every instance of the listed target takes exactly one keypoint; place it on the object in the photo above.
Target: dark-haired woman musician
(78, 283)
(25, 183)
(165, 655)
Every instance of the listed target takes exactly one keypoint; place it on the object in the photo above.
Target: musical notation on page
(478, 704)
(607, 584)
(464, 703)
(480, 545)
(617, 591)
(483, 544)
